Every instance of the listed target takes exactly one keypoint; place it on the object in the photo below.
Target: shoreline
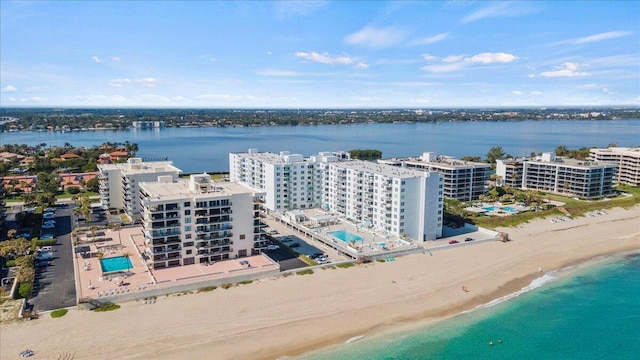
(294, 315)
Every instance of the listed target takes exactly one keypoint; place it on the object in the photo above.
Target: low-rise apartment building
(564, 176)
(198, 221)
(463, 180)
(119, 182)
(627, 158)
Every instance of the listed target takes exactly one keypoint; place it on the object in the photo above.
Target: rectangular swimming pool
(115, 264)
(345, 236)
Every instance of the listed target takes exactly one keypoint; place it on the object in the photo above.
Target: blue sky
(319, 54)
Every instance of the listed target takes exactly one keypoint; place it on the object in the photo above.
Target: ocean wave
(355, 338)
(535, 284)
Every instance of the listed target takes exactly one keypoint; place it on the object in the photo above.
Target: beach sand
(271, 318)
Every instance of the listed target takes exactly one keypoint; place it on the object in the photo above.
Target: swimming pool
(115, 264)
(345, 236)
(508, 209)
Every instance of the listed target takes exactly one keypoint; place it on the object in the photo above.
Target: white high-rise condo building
(463, 180)
(119, 182)
(570, 177)
(289, 181)
(628, 158)
(399, 201)
(198, 221)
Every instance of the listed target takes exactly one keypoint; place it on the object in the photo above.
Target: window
(187, 228)
(187, 204)
(187, 236)
(189, 252)
(187, 212)
(187, 220)
(242, 237)
(188, 244)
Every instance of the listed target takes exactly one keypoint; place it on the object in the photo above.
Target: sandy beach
(291, 315)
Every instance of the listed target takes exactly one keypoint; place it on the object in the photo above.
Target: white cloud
(375, 38)
(500, 9)
(116, 58)
(457, 62)
(119, 82)
(536, 93)
(325, 58)
(148, 81)
(567, 69)
(603, 36)
(442, 68)
(268, 52)
(428, 57)
(517, 92)
(490, 58)
(453, 58)
(361, 66)
(96, 59)
(269, 72)
(430, 39)
(9, 89)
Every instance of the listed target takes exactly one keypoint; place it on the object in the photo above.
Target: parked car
(48, 216)
(24, 235)
(42, 263)
(453, 241)
(46, 248)
(48, 226)
(294, 245)
(316, 255)
(273, 247)
(49, 222)
(286, 239)
(274, 232)
(46, 237)
(468, 239)
(50, 210)
(48, 255)
(244, 262)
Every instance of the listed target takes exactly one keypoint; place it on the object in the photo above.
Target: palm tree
(93, 231)
(117, 227)
(127, 255)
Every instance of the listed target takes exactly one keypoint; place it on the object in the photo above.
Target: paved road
(55, 285)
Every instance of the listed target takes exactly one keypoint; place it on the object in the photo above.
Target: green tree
(495, 153)
(562, 151)
(93, 184)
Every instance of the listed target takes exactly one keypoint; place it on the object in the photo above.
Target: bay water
(207, 149)
(586, 312)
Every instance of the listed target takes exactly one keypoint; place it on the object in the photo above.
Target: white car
(274, 232)
(46, 248)
(273, 247)
(48, 216)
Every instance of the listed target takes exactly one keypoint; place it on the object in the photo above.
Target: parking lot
(286, 236)
(54, 285)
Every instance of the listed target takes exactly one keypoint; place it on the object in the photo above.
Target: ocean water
(580, 313)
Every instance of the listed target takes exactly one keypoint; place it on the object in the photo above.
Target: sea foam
(536, 283)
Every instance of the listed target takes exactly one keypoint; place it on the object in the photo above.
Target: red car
(453, 241)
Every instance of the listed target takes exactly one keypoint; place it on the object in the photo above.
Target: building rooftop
(634, 151)
(380, 169)
(137, 166)
(180, 189)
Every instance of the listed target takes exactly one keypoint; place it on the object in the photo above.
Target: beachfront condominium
(627, 158)
(3, 204)
(119, 182)
(198, 221)
(288, 181)
(400, 201)
(564, 176)
(463, 180)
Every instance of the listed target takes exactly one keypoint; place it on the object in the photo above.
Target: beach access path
(291, 315)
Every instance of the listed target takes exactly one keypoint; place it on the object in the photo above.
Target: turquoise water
(505, 208)
(114, 264)
(489, 208)
(345, 236)
(509, 209)
(593, 313)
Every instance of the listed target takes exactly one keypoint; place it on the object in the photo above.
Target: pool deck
(90, 281)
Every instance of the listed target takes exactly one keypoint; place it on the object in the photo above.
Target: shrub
(50, 242)
(59, 313)
(305, 272)
(207, 288)
(226, 286)
(24, 290)
(107, 307)
(10, 263)
(345, 265)
(73, 189)
(381, 260)
(245, 282)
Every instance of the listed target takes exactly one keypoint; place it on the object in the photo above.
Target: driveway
(55, 285)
